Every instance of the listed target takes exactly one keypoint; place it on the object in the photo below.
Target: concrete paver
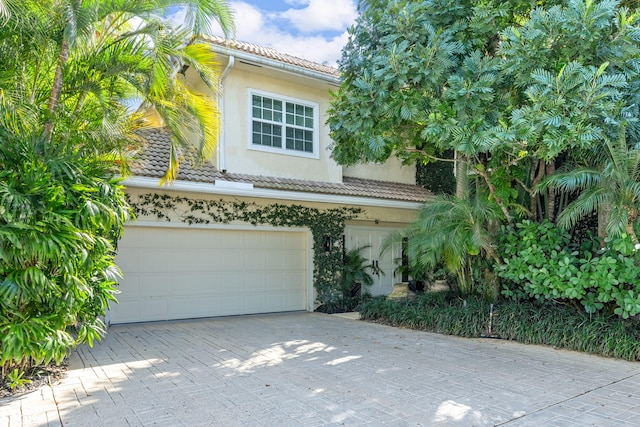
(309, 369)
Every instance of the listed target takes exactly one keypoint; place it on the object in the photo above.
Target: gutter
(221, 139)
(277, 65)
(264, 193)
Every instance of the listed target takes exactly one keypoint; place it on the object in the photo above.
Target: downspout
(221, 140)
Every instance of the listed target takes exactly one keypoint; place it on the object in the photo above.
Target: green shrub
(59, 218)
(540, 262)
(529, 322)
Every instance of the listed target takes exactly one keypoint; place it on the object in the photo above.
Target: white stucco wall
(392, 170)
(235, 153)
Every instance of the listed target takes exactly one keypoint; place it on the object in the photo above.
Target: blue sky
(311, 29)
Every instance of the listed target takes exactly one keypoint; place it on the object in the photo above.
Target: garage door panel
(153, 285)
(293, 259)
(185, 273)
(232, 260)
(254, 260)
(153, 260)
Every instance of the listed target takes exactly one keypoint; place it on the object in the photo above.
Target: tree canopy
(509, 86)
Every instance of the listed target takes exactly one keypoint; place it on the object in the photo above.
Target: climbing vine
(327, 227)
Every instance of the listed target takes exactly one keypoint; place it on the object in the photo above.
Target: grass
(526, 322)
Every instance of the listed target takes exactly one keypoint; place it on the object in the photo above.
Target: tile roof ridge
(271, 53)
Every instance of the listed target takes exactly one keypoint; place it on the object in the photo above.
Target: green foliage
(436, 177)
(70, 72)
(610, 183)
(525, 322)
(73, 69)
(16, 379)
(540, 263)
(324, 224)
(508, 86)
(354, 281)
(452, 232)
(60, 216)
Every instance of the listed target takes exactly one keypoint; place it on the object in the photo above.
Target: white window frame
(316, 125)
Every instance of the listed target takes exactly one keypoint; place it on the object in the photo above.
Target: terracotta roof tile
(152, 162)
(267, 52)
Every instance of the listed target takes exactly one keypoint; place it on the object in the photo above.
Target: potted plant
(355, 276)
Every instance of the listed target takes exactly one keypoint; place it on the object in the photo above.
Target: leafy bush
(354, 282)
(540, 262)
(529, 322)
(59, 218)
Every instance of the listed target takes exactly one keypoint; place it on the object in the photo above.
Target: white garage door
(182, 273)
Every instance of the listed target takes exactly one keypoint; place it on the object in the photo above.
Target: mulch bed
(37, 376)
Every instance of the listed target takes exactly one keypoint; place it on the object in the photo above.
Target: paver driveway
(305, 369)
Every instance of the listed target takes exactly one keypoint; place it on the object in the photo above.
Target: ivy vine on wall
(327, 227)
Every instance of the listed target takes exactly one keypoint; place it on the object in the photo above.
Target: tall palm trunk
(550, 169)
(56, 91)
(462, 177)
(604, 214)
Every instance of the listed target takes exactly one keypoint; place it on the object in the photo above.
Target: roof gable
(228, 47)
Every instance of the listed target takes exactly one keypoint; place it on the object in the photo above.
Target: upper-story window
(285, 125)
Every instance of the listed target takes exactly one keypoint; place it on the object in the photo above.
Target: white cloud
(256, 26)
(322, 15)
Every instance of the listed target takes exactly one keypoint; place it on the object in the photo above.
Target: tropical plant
(73, 70)
(541, 262)
(355, 277)
(60, 217)
(610, 181)
(452, 232)
(69, 72)
(526, 322)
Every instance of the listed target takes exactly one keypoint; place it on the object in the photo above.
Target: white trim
(283, 150)
(216, 226)
(263, 193)
(232, 184)
(311, 288)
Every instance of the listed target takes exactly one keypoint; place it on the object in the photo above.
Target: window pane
(308, 138)
(256, 101)
(308, 112)
(300, 110)
(299, 121)
(267, 103)
(277, 117)
(277, 131)
(277, 105)
(308, 123)
(289, 107)
(267, 115)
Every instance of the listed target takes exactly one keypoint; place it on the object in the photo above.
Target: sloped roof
(269, 53)
(153, 160)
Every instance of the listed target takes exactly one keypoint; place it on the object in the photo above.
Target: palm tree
(70, 68)
(611, 184)
(452, 231)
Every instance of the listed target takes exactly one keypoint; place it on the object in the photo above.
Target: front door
(386, 260)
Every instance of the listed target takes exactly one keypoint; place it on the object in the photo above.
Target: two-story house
(272, 154)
